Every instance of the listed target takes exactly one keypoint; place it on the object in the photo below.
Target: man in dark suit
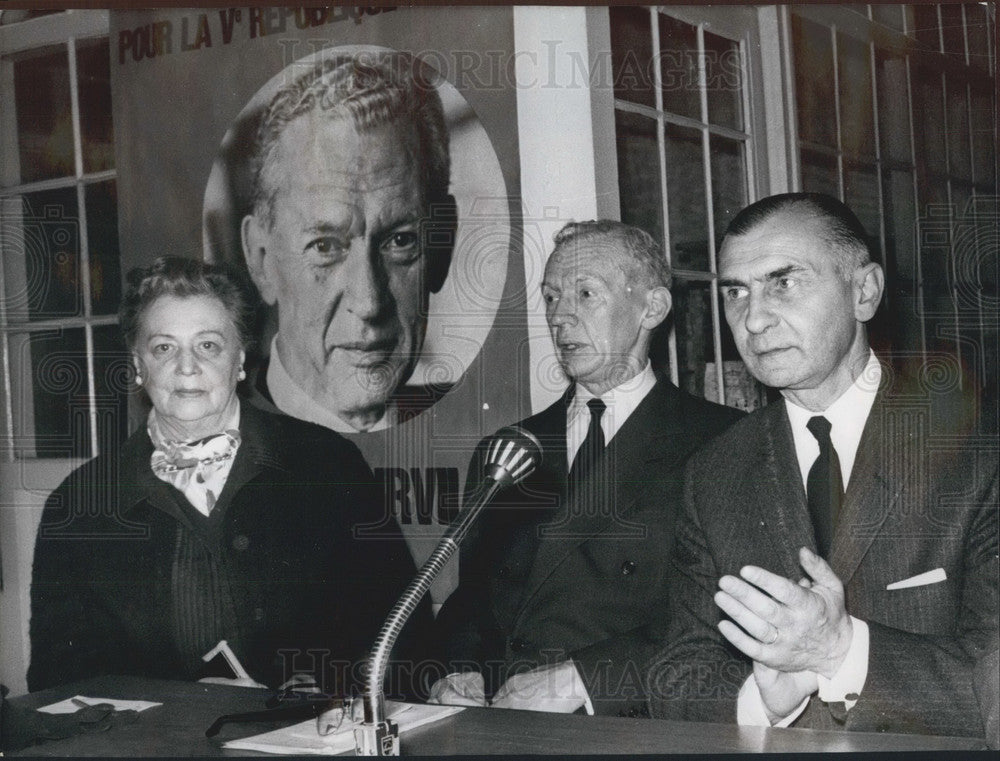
(568, 569)
(795, 601)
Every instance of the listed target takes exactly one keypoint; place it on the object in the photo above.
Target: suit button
(628, 568)
(504, 572)
(241, 542)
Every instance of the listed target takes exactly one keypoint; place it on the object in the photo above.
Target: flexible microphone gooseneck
(511, 455)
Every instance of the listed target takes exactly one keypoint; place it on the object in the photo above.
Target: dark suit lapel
(646, 446)
(540, 495)
(874, 486)
(779, 494)
(549, 427)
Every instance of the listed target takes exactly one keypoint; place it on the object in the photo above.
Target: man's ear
(868, 283)
(255, 239)
(658, 302)
(439, 241)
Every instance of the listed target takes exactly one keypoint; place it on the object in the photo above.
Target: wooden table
(177, 728)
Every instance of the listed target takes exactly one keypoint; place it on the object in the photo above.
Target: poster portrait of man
(341, 187)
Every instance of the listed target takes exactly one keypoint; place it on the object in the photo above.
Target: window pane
(41, 250)
(692, 309)
(94, 81)
(631, 54)
(935, 245)
(890, 15)
(925, 20)
(639, 173)
(49, 378)
(857, 126)
(819, 173)
(893, 106)
(987, 212)
(111, 387)
(900, 226)
(679, 67)
(978, 31)
(983, 143)
(953, 32)
(44, 119)
(861, 194)
(742, 391)
(901, 310)
(728, 187)
(814, 82)
(724, 81)
(686, 198)
(965, 251)
(928, 119)
(102, 244)
(958, 129)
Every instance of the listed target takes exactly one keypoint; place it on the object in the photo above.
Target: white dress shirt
(847, 416)
(292, 399)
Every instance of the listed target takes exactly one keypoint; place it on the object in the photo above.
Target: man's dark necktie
(824, 486)
(591, 448)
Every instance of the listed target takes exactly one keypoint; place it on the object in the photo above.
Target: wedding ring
(774, 637)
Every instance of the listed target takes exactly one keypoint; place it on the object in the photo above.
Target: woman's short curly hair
(181, 278)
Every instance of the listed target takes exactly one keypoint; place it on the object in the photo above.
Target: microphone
(510, 456)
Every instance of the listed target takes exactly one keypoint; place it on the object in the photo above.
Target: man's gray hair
(368, 89)
(642, 251)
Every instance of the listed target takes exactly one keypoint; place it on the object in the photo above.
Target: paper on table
(304, 739)
(68, 706)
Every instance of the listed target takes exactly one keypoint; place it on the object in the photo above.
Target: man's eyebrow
(398, 215)
(325, 227)
(782, 271)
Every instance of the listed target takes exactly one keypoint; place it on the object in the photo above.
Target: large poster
(414, 365)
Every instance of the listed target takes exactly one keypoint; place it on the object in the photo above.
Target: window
(64, 367)
(910, 145)
(890, 108)
(685, 167)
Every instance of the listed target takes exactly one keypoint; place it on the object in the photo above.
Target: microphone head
(511, 455)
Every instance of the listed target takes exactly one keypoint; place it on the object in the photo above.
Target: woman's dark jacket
(304, 586)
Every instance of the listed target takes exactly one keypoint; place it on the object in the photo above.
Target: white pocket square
(920, 580)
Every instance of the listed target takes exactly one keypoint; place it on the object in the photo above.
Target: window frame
(740, 24)
(904, 43)
(67, 30)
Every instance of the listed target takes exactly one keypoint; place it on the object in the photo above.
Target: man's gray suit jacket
(922, 496)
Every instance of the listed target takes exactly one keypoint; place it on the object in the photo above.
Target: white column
(558, 174)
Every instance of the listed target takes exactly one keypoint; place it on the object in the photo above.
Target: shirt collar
(292, 399)
(847, 415)
(621, 401)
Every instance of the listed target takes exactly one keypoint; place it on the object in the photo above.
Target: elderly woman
(214, 521)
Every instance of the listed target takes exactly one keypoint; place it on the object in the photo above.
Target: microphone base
(379, 739)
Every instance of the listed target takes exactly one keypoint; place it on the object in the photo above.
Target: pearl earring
(138, 380)
(243, 374)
